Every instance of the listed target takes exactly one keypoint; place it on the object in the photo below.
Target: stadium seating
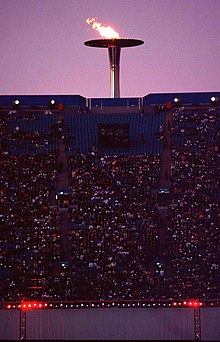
(115, 231)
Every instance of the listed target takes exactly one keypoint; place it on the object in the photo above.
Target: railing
(80, 304)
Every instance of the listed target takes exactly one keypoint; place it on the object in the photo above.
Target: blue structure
(82, 102)
(42, 100)
(142, 131)
(184, 98)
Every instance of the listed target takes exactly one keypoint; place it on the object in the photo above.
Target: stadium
(110, 217)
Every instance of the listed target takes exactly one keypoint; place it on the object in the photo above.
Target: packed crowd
(193, 223)
(114, 221)
(114, 225)
(29, 240)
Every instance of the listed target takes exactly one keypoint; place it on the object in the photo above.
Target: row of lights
(33, 305)
(194, 304)
(213, 100)
(51, 103)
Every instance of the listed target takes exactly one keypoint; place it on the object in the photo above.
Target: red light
(195, 303)
(190, 303)
(174, 304)
(184, 303)
(8, 306)
(32, 305)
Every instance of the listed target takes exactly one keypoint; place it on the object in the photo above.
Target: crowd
(29, 241)
(29, 132)
(193, 221)
(115, 224)
(30, 229)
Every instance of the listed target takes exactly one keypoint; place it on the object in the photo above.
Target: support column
(114, 59)
(22, 324)
(197, 324)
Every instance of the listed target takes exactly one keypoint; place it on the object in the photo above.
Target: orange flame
(105, 31)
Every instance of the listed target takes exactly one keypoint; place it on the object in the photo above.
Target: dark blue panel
(185, 98)
(43, 100)
(80, 101)
(115, 102)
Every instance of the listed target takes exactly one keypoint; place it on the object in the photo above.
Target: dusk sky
(43, 51)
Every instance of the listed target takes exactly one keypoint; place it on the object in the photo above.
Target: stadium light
(177, 101)
(16, 103)
(52, 103)
(214, 100)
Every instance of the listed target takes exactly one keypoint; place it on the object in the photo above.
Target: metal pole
(22, 324)
(197, 324)
(114, 59)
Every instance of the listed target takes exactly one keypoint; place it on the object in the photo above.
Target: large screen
(113, 135)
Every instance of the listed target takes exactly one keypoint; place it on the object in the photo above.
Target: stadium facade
(197, 98)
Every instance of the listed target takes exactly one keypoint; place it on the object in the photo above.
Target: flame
(105, 31)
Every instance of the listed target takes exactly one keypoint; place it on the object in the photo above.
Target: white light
(176, 99)
(17, 102)
(52, 102)
(213, 98)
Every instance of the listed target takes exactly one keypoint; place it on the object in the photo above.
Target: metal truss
(197, 324)
(22, 324)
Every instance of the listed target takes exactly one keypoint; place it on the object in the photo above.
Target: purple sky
(43, 52)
